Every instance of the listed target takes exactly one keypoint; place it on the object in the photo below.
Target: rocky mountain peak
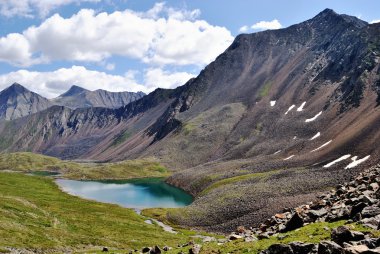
(16, 101)
(329, 17)
(74, 90)
(15, 89)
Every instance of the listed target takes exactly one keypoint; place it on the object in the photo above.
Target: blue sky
(49, 45)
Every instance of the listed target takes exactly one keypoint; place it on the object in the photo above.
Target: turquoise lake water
(138, 193)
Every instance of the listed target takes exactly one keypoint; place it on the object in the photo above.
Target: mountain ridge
(18, 101)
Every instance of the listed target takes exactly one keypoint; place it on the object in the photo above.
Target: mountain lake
(135, 193)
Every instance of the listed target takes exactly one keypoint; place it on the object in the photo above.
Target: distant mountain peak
(74, 90)
(16, 88)
(17, 101)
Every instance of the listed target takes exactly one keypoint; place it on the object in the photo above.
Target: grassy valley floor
(35, 214)
(31, 162)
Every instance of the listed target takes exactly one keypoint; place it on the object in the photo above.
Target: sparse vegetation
(46, 218)
(312, 233)
(119, 139)
(29, 162)
(236, 179)
(264, 90)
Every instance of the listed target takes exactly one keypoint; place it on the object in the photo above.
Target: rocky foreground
(356, 201)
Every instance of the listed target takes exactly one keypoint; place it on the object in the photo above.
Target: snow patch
(291, 156)
(344, 157)
(272, 103)
(315, 136)
(315, 117)
(300, 108)
(295, 137)
(290, 108)
(356, 162)
(277, 152)
(325, 144)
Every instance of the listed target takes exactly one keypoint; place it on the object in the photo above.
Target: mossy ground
(312, 233)
(29, 162)
(35, 214)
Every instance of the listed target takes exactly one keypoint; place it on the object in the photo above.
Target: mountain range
(17, 101)
(278, 117)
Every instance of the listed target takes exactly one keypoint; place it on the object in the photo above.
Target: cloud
(156, 77)
(53, 83)
(159, 36)
(28, 8)
(243, 29)
(110, 66)
(265, 25)
(375, 21)
(15, 49)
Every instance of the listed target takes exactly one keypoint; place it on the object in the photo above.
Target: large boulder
(295, 222)
(329, 247)
(279, 249)
(343, 234)
(302, 248)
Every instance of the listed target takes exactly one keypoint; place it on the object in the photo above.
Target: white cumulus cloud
(159, 36)
(375, 21)
(53, 83)
(243, 29)
(28, 8)
(267, 25)
(156, 77)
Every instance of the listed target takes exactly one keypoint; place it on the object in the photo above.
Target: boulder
(166, 248)
(370, 211)
(343, 234)
(155, 250)
(317, 213)
(358, 208)
(279, 249)
(329, 247)
(371, 243)
(235, 237)
(145, 249)
(251, 238)
(356, 249)
(302, 248)
(195, 249)
(208, 239)
(105, 249)
(295, 222)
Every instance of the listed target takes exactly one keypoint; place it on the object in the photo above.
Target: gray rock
(317, 213)
(250, 239)
(235, 237)
(329, 247)
(302, 248)
(343, 234)
(370, 211)
(195, 249)
(295, 222)
(166, 248)
(279, 249)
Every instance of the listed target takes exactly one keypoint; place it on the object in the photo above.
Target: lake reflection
(141, 193)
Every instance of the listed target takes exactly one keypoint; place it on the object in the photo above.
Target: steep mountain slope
(78, 97)
(17, 101)
(276, 118)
